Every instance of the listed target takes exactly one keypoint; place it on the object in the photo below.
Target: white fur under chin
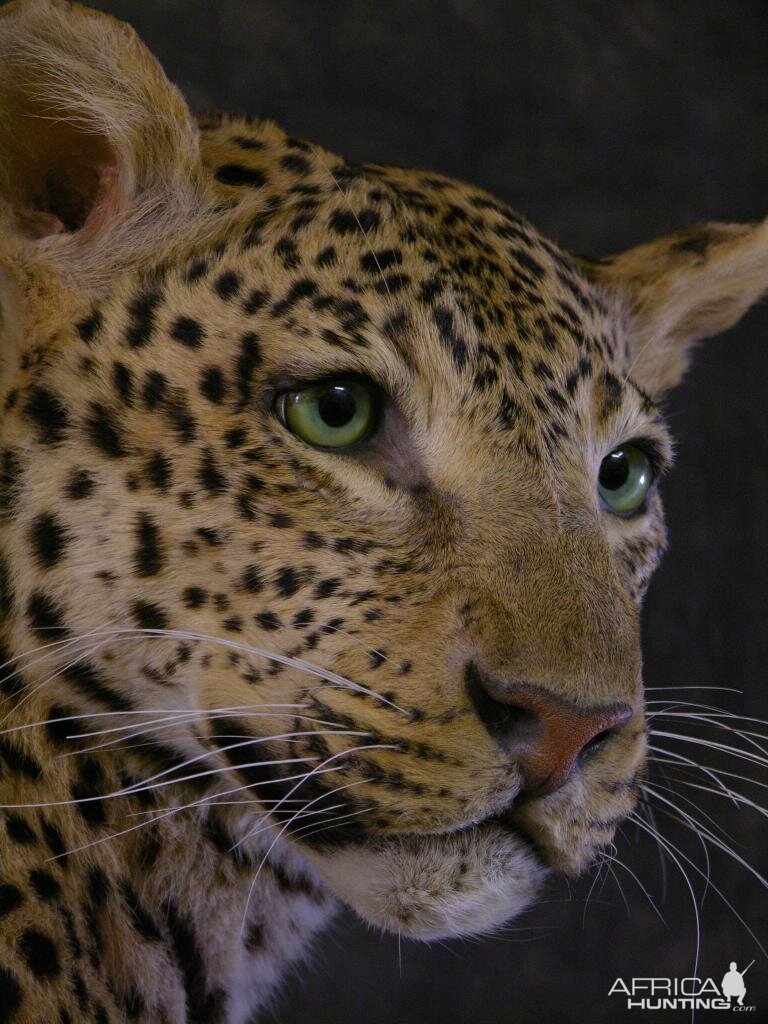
(433, 887)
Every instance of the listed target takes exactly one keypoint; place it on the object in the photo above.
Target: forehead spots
(213, 385)
(46, 412)
(148, 615)
(141, 317)
(347, 222)
(104, 431)
(49, 539)
(239, 176)
(227, 285)
(149, 555)
(188, 332)
(90, 326)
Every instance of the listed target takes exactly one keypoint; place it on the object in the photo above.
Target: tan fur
(150, 312)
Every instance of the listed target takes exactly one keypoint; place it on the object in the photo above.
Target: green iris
(332, 414)
(625, 479)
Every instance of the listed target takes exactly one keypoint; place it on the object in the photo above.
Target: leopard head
(341, 479)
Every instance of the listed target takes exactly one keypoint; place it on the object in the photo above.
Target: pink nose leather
(544, 733)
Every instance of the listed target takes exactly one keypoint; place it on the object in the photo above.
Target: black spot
(294, 162)
(44, 884)
(210, 476)
(254, 939)
(10, 898)
(62, 724)
(87, 790)
(181, 419)
(47, 413)
(196, 270)
(122, 378)
(302, 289)
(159, 471)
(287, 582)
(80, 484)
(79, 989)
(375, 262)
(98, 887)
(104, 432)
(49, 539)
(10, 996)
(392, 283)
(236, 174)
(89, 326)
(313, 540)
(39, 954)
(613, 391)
(149, 557)
(45, 616)
(227, 285)
(149, 616)
(187, 331)
(18, 830)
(303, 618)
(85, 678)
(345, 222)
(452, 340)
(194, 597)
(235, 437)
(245, 142)
(134, 1005)
(287, 253)
(153, 391)
(280, 521)
(268, 621)
(255, 301)
(327, 258)
(54, 841)
(142, 317)
(203, 1006)
(252, 580)
(248, 361)
(18, 761)
(213, 386)
(327, 587)
(140, 918)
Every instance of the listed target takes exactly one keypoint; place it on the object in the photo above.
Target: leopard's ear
(96, 146)
(689, 285)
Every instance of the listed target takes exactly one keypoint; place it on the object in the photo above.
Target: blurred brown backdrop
(606, 123)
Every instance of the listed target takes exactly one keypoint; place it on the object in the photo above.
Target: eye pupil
(336, 406)
(614, 470)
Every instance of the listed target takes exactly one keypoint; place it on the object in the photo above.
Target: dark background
(605, 123)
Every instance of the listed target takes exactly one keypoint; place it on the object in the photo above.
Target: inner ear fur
(689, 285)
(94, 140)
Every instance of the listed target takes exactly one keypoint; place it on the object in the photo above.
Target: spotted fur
(236, 667)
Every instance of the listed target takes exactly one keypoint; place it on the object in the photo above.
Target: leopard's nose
(545, 734)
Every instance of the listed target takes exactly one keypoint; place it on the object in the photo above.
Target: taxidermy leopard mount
(329, 499)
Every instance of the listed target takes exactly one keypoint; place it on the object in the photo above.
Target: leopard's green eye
(625, 478)
(332, 414)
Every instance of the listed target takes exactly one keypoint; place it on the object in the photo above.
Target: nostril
(592, 746)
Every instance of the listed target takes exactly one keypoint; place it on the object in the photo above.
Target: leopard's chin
(468, 882)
